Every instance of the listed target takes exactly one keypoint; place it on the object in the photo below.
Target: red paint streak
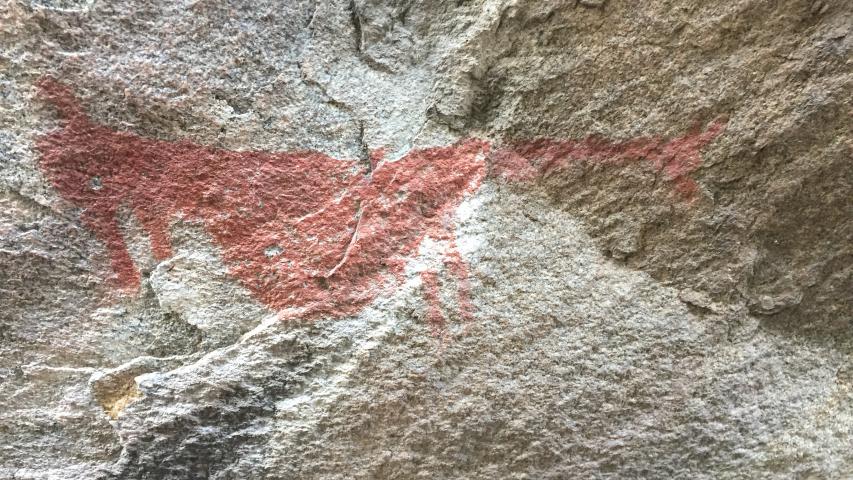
(458, 268)
(301, 229)
(432, 295)
(677, 158)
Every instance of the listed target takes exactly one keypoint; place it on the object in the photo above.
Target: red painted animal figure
(302, 230)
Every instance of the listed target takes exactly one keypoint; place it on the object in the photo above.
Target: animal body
(302, 230)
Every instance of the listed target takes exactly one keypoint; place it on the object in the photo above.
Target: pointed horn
(61, 97)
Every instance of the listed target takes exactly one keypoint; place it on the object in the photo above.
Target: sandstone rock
(396, 239)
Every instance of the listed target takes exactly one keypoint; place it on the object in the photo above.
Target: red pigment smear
(301, 229)
(432, 295)
(457, 267)
(677, 158)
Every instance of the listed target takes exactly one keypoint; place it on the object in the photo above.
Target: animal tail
(62, 98)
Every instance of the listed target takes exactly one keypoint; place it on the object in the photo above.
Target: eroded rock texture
(443, 239)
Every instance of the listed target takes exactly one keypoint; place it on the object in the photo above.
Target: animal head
(76, 158)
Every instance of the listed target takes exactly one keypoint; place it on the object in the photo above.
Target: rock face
(444, 239)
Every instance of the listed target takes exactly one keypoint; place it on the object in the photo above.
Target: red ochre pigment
(677, 158)
(301, 230)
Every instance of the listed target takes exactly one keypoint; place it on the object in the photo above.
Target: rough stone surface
(442, 239)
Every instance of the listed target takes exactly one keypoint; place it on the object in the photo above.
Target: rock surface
(443, 239)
